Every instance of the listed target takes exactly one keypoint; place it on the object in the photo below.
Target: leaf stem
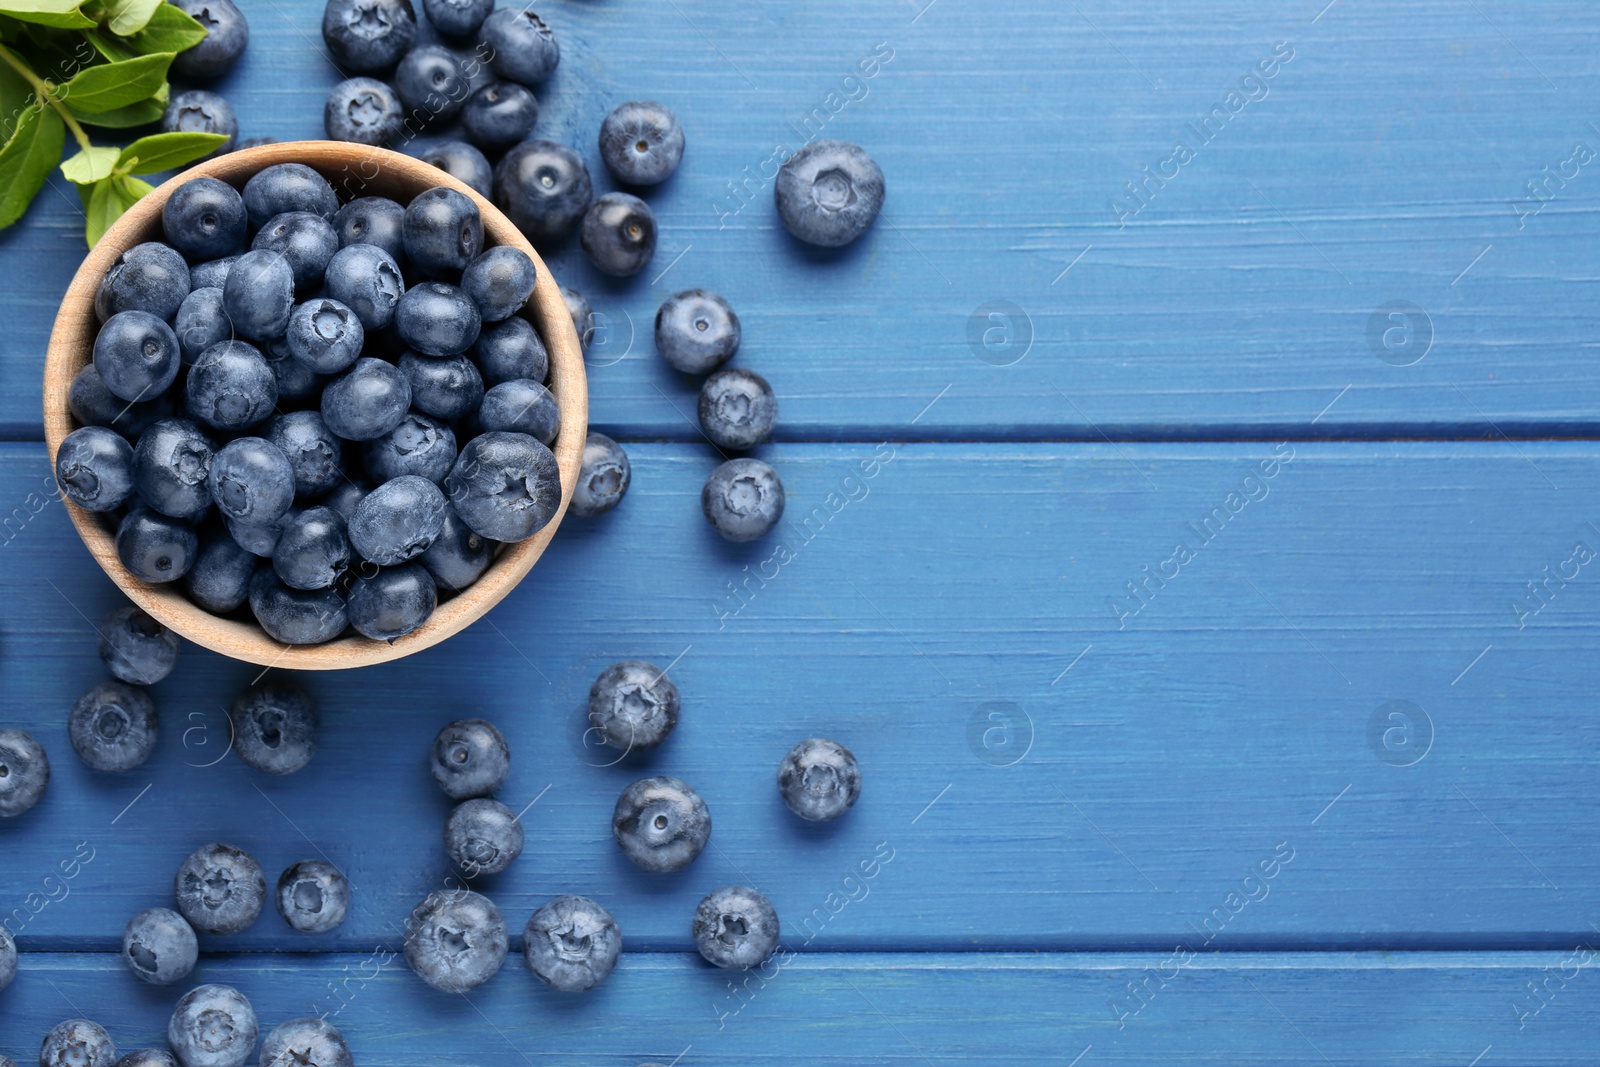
(47, 94)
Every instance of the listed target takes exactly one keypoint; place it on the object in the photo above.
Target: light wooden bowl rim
(354, 170)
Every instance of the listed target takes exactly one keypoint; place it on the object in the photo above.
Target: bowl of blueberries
(316, 405)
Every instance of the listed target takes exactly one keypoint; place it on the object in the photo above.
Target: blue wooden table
(1191, 528)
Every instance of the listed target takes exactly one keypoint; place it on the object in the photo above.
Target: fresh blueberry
(458, 557)
(512, 349)
(136, 648)
(213, 273)
(202, 322)
(735, 927)
(447, 387)
(77, 1043)
(828, 193)
(456, 940)
(220, 578)
(436, 319)
(398, 520)
(661, 824)
(251, 481)
(442, 231)
(27, 772)
(8, 972)
(819, 779)
(499, 281)
(603, 480)
(367, 401)
(697, 331)
(543, 188)
(457, 18)
(367, 36)
(582, 315)
(275, 726)
(393, 602)
(310, 1041)
(315, 454)
(737, 409)
(137, 355)
(213, 1026)
(363, 111)
(521, 405)
(633, 706)
(113, 727)
(150, 277)
(344, 499)
(482, 837)
(288, 187)
(367, 280)
(469, 758)
(461, 161)
(293, 616)
(259, 294)
(371, 220)
(571, 944)
(430, 83)
(641, 142)
(94, 405)
(619, 234)
(297, 383)
(220, 890)
(146, 1057)
(313, 897)
(204, 218)
(499, 115)
(155, 548)
(159, 946)
(325, 335)
(742, 499)
(420, 445)
(505, 486)
(259, 539)
(313, 551)
(523, 48)
(199, 111)
(172, 468)
(306, 240)
(227, 35)
(94, 467)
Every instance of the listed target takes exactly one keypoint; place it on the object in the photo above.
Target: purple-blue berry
(259, 294)
(524, 47)
(367, 401)
(819, 779)
(661, 824)
(641, 142)
(436, 319)
(94, 467)
(312, 551)
(293, 616)
(462, 161)
(313, 897)
(363, 111)
(499, 281)
(458, 557)
(201, 111)
(172, 468)
(397, 521)
(572, 944)
(482, 837)
(204, 218)
(201, 322)
(742, 499)
(367, 280)
(77, 1043)
(828, 193)
(697, 331)
(368, 36)
(305, 239)
(137, 354)
(498, 116)
(505, 486)
(310, 1041)
(155, 548)
(420, 445)
(27, 772)
(315, 453)
(227, 36)
(633, 706)
(275, 727)
(213, 1026)
(735, 927)
(159, 946)
(512, 349)
(220, 890)
(469, 758)
(543, 187)
(737, 409)
(442, 231)
(371, 220)
(136, 648)
(219, 581)
(456, 940)
(287, 187)
(446, 387)
(252, 481)
(393, 602)
(619, 234)
(603, 479)
(521, 406)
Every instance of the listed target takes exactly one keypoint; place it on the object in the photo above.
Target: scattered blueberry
(367, 36)
(231, 386)
(258, 539)
(155, 548)
(641, 142)
(305, 239)
(742, 499)
(213, 1026)
(524, 48)
(543, 188)
(582, 315)
(314, 452)
(202, 321)
(313, 551)
(420, 445)
(661, 824)
(159, 946)
(437, 319)
(259, 294)
(499, 281)
(457, 18)
(512, 349)
(697, 331)
(828, 193)
(393, 602)
(313, 897)
(113, 727)
(227, 35)
(461, 161)
(819, 779)
(136, 648)
(366, 279)
(275, 727)
(442, 231)
(94, 467)
(367, 401)
(325, 335)
(446, 387)
(456, 940)
(633, 705)
(521, 405)
(398, 520)
(146, 1057)
(505, 486)
(482, 837)
(458, 557)
(430, 83)
(469, 758)
(287, 187)
(93, 404)
(220, 890)
(310, 1041)
(497, 116)
(737, 409)
(619, 234)
(735, 927)
(363, 111)
(252, 481)
(219, 581)
(137, 354)
(603, 480)
(213, 273)
(204, 218)
(293, 616)
(571, 944)
(172, 467)
(77, 1043)
(371, 220)
(27, 772)
(199, 111)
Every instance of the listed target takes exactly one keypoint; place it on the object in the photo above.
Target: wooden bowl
(354, 170)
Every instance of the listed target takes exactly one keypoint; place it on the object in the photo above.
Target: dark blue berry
(457, 18)
(288, 187)
(367, 36)
(77, 1043)
(213, 273)
(543, 188)
(155, 548)
(420, 445)
(136, 648)
(297, 383)
(461, 161)
(363, 111)
(313, 897)
(220, 890)
(737, 409)
(313, 551)
(113, 727)
(293, 616)
(697, 331)
(149, 277)
(603, 480)
(521, 405)
(306, 240)
(315, 454)
(94, 405)
(251, 481)
(202, 322)
(94, 467)
(619, 234)
(505, 486)
(227, 35)
(442, 231)
(497, 116)
(27, 773)
(661, 824)
(482, 837)
(819, 779)
(458, 557)
(172, 468)
(742, 499)
(371, 220)
(204, 218)
(367, 401)
(582, 315)
(199, 111)
(571, 944)
(259, 294)
(259, 539)
(456, 940)
(325, 335)
(512, 349)
(469, 758)
(311, 1040)
(397, 521)
(446, 387)
(213, 1026)
(137, 355)
(828, 193)
(159, 947)
(367, 280)
(220, 578)
(436, 319)
(499, 281)
(735, 927)
(633, 706)
(524, 49)
(344, 499)
(641, 142)
(275, 727)
(430, 83)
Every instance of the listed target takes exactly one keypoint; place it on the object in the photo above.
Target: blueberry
(619, 234)
(603, 480)
(458, 557)
(293, 616)
(8, 973)
(819, 779)
(136, 648)
(393, 602)
(442, 231)
(457, 18)
(93, 404)
(213, 273)
(697, 331)
(371, 220)
(429, 81)
(661, 824)
(461, 161)
(482, 837)
(315, 454)
(147, 1057)
(77, 1043)
(94, 467)
(367, 36)
(159, 946)
(213, 1026)
(469, 758)
(737, 409)
(367, 280)
(199, 111)
(325, 335)
(220, 890)
(202, 321)
(151, 277)
(155, 548)
(274, 727)
(251, 481)
(572, 944)
(456, 940)
(313, 551)
(497, 116)
(512, 349)
(259, 294)
(367, 401)
(204, 218)
(363, 111)
(828, 193)
(582, 315)
(521, 405)
(306, 240)
(137, 355)
(446, 387)
(742, 499)
(344, 499)
(735, 927)
(505, 486)
(437, 319)
(220, 578)
(27, 772)
(499, 281)
(259, 539)
(641, 142)
(310, 1041)
(543, 188)
(398, 520)
(288, 187)
(227, 35)
(420, 445)
(633, 706)
(313, 897)
(523, 48)
(172, 468)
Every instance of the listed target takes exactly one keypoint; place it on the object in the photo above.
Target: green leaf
(96, 90)
(60, 13)
(27, 159)
(127, 17)
(169, 30)
(108, 199)
(141, 114)
(90, 165)
(15, 94)
(164, 151)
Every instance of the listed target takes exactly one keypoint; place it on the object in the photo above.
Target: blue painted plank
(1051, 768)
